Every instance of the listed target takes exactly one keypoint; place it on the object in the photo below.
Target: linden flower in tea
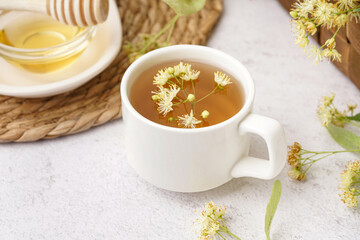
(171, 81)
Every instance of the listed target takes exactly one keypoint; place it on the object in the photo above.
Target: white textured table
(81, 187)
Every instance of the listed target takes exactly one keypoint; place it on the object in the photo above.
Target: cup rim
(158, 52)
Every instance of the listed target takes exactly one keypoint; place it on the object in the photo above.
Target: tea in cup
(217, 150)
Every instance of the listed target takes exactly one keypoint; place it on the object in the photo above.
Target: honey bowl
(40, 44)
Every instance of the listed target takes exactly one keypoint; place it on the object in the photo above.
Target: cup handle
(273, 134)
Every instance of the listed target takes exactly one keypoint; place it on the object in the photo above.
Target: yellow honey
(41, 32)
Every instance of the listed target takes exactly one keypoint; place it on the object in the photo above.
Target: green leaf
(272, 206)
(355, 118)
(344, 137)
(185, 7)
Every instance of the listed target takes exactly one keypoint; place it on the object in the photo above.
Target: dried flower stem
(213, 91)
(230, 233)
(150, 42)
(333, 37)
(153, 39)
(193, 86)
(298, 158)
(221, 235)
(224, 229)
(172, 26)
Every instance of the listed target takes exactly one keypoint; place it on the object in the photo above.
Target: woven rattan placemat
(98, 101)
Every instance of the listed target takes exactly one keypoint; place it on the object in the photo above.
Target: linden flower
(326, 117)
(301, 160)
(205, 114)
(325, 13)
(170, 70)
(185, 72)
(317, 54)
(330, 43)
(181, 68)
(208, 227)
(209, 221)
(298, 28)
(190, 97)
(305, 8)
(308, 15)
(190, 74)
(350, 174)
(349, 184)
(212, 223)
(311, 28)
(326, 101)
(188, 121)
(328, 113)
(161, 77)
(294, 160)
(302, 41)
(341, 20)
(173, 91)
(355, 15)
(294, 154)
(296, 174)
(348, 197)
(351, 108)
(332, 54)
(160, 94)
(345, 4)
(221, 79)
(165, 105)
(163, 92)
(165, 96)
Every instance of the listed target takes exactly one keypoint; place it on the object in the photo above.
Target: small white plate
(99, 54)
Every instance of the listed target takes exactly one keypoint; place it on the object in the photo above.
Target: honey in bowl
(221, 105)
(32, 31)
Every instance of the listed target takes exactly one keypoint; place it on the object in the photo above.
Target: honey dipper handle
(73, 12)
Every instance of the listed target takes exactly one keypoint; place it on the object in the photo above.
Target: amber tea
(220, 102)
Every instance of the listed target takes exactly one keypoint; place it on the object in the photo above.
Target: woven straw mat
(98, 101)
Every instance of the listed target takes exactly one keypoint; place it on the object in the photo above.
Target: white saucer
(100, 53)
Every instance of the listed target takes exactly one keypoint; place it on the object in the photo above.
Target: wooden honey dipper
(72, 12)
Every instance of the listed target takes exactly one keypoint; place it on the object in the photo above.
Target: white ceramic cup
(191, 160)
